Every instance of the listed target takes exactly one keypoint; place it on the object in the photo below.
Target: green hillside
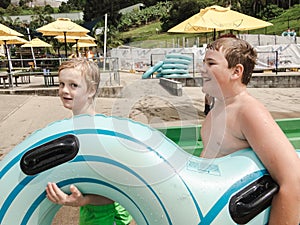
(148, 33)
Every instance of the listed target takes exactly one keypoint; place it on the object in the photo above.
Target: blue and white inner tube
(177, 61)
(152, 69)
(178, 56)
(178, 75)
(174, 71)
(137, 166)
(174, 66)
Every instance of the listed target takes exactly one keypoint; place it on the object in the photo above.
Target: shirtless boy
(239, 121)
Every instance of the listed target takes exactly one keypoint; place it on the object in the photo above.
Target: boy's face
(73, 91)
(215, 73)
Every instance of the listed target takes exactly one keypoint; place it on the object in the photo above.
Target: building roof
(72, 16)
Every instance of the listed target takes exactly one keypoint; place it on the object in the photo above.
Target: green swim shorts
(97, 215)
(111, 214)
(122, 216)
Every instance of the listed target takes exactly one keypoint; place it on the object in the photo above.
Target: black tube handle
(50, 154)
(253, 199)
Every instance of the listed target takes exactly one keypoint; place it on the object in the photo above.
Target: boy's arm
(76, 198)
(279, 157)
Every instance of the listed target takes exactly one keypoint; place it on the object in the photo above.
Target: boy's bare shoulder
(250, 103)
(252, 109)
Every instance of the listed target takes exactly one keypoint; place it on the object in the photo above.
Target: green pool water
(188, 137)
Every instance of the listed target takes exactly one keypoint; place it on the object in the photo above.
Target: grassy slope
(280, 24)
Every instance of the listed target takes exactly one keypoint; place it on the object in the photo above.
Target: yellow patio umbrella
(8, 40)
(188, 26)
(12, 40)
(76, 39)
(9, 36)
(218, 18)
(36, 42)
(7, 31)
(63, 26)
(84, 44)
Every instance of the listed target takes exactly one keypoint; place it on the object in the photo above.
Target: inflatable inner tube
(177, 76)
(178, 56)
(137, 166)
(158, 75)
(152, 69)
(172, 71)
(174, 66)
(177, 61)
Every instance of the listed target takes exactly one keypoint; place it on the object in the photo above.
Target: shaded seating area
(3, 79)
(49, 77)
(23, 70)
(20, 77)
(23, 74)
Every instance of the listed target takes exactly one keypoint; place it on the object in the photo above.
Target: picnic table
(49, 77)
(16, 73)
(25, 74)
(4, 77)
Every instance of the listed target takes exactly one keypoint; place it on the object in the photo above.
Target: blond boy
(78, 84)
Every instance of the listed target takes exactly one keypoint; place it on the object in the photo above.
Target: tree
(13, 10)
(182, 10)
(23, 3)
(5, 3)
(64, 8)
(95, 9)
(271, 11)
(76, 4)
(39, 18)
(257, 6)
(48, 9)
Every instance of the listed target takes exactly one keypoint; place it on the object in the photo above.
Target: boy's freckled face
(73, 89)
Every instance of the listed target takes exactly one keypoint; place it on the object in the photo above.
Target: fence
(140, 60)
(270, 57)
(198, 41)
(262, 40)
(24, 68)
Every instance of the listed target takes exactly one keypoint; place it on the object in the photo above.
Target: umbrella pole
(105, 39)
(32, 52)
(214, 34)
(9, 65)
(65, 35)
(77, 52)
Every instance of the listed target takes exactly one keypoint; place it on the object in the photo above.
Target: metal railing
(13, 68)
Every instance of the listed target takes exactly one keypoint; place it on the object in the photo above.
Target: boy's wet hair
(237, 51)
(89, 70)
